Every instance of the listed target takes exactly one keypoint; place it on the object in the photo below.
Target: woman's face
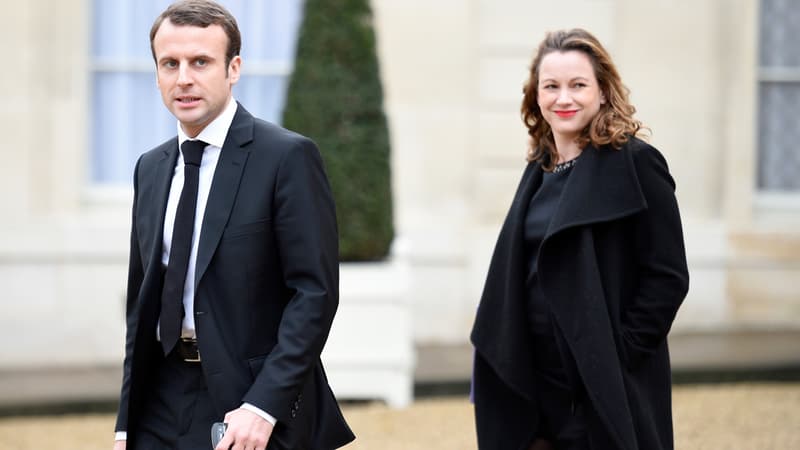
(568, 93)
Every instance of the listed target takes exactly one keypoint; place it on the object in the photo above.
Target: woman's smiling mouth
(566, 114)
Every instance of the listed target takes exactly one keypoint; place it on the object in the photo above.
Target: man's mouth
(187, 100)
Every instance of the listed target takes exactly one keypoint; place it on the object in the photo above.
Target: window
(128, 117)
(779, 97)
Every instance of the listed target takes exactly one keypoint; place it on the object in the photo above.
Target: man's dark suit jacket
(266, 282)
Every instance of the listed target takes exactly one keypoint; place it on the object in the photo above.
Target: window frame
(102, 192)
(772, 204)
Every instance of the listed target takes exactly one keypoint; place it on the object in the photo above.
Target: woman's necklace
(560, 167)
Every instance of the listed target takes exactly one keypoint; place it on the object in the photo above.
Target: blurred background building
(717, 81)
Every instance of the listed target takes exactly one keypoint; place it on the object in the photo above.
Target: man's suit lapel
(224, 188)
(163, 180)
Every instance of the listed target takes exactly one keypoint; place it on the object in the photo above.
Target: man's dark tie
(172, 296)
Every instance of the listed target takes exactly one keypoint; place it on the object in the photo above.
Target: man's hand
(120, 445)
(246, 431)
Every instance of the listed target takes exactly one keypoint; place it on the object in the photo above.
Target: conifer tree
(335, 97)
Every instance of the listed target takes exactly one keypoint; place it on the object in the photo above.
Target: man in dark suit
(233, 272)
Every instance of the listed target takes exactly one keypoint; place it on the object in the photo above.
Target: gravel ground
(727, 416)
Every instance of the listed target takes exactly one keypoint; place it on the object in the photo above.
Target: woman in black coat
(587, 275)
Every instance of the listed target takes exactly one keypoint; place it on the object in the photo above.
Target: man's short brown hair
(201, 13)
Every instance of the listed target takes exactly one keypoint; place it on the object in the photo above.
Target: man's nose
(184, 75)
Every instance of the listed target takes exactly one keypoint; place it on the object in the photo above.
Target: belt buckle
(190, 344)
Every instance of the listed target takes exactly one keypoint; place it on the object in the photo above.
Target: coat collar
(603, 186)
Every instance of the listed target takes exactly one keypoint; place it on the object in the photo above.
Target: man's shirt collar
(215, 132)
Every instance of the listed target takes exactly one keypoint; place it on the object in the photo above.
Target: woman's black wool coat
(613, 268)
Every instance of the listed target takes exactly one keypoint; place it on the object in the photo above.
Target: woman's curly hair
(613, 124)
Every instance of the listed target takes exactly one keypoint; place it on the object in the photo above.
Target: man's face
(191, 73)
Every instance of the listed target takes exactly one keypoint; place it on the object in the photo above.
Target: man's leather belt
(187, 350)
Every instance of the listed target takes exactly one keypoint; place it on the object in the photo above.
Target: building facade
(717, 82)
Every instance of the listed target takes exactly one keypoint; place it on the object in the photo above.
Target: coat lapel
(224, 188)
(162, 180)
(571, 281)
(154, 181)
(506, 347)
(603, 186)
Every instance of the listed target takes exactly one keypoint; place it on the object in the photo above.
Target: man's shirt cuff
(121, 436)
(261, 413)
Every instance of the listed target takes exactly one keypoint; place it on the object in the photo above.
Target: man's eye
(201, 62)
(170, 64)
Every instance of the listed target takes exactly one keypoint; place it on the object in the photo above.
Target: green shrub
(335, 97)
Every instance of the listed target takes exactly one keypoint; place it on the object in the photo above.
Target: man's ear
(234, 69)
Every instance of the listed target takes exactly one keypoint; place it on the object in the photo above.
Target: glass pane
(780, 28)
(121, 29)
(269, 28)
(262, 96)
(128, 118)
(779, 115)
